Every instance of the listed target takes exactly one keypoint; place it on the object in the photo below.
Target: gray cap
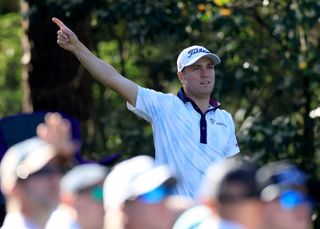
(82, 176)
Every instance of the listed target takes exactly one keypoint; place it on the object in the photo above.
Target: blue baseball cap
(285, 182)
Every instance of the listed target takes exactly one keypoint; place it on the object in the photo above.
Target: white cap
(193, 53)
(134, 177)
(82, 176)
(24, 159)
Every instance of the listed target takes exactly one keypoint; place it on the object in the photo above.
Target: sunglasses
(293, 198)
(95, 192)
(155, 196)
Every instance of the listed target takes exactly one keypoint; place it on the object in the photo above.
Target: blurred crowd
(44, 188)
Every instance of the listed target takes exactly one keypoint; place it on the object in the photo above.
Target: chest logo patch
(217, 123)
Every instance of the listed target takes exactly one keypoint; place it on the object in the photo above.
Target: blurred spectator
(289, 203)
(232, 193)
(237, 193)
(81, 198)
(30, 172)
(177, 205)
(30, 175)
(135, 194)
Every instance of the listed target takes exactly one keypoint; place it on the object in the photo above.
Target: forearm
(106, 73)
(102, 71)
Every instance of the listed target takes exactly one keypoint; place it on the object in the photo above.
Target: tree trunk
(53, 79)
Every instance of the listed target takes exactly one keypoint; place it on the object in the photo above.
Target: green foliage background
(10, 67)
(268, 79)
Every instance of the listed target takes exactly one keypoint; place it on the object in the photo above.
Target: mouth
(204, 82)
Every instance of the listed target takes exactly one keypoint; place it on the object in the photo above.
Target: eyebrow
(207, 64)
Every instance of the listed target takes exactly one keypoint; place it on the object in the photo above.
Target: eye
(211, 66)
(195, 67)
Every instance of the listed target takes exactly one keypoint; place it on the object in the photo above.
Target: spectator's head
(30, 174)
(138, 188)
(82, 189)
(289, 203)
(232, 190)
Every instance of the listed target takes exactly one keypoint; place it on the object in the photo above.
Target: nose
(204, 73)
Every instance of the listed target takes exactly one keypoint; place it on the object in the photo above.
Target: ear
(211, 203)
(16, 190)
(67, 198)
(180, 76)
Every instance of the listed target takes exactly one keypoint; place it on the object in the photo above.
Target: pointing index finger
(58, 22)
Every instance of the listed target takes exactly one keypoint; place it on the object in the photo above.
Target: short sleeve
(150, 104)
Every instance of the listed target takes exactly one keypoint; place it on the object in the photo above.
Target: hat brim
(82, 177)
(151, 180)
(273, 191)
(215, 59)
(24, 159)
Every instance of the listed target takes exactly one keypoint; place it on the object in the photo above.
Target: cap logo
(196, 50)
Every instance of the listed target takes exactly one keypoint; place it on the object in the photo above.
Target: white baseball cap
(190, 55)
(133, 177)
(23, 159)
(82, 176)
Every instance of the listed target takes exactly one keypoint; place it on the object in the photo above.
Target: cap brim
(151, 180)
(273, 191)
(215, 59)
(39, 158)
(24, 159)
(82, 176)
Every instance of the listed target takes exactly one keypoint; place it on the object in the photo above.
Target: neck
(202, 103)
(36, 214)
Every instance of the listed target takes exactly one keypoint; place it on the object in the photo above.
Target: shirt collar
(214, 103)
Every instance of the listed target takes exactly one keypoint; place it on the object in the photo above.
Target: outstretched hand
(57, 131)
(66, 39)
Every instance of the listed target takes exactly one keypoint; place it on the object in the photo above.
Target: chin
(206, 91)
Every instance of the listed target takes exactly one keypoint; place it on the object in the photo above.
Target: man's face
(280, 216)
(236, 205)
(42, 188)
(89, 207)
(198, 79)
(144, 215)
(148, 211)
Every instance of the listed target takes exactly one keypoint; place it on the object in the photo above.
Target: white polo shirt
(186, 140)
(19, 221)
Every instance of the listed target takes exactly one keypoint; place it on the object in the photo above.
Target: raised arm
(102, 71)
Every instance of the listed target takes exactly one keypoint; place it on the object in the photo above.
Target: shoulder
(221, 113)
(224, 118)
(15, 220)
(147, 93)
(192, 217)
